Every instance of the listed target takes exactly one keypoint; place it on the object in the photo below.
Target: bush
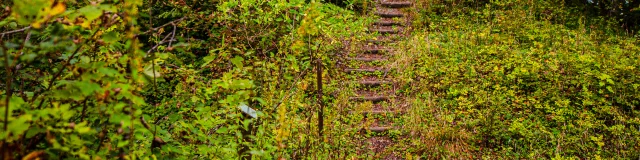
(164, 79)
(526, 87)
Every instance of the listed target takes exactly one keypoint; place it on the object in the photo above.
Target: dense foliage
(151, 79)
(164, 79)
(625, 12)
(523, 79)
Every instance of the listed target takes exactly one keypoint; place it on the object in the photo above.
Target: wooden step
(349, 70)
(376, 49)
(386, 112)
(373, 83)
(380, 66)
(386, 30)
(366, 113)
(379, 129)
(370, 98)
(396, 4)
(385, 38)
(367, 59)
(382, 39)
(398, 28)
(387, 22)
(389, 14)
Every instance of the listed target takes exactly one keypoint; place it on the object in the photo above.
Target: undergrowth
(505, 79)
(169, 79)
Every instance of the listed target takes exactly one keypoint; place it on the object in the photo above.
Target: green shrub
(164, 79)
(526, 86)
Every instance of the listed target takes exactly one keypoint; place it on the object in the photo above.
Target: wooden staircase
(370, 70)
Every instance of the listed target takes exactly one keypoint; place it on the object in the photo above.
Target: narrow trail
(374, 78)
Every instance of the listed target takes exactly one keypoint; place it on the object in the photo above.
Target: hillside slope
(516, 79)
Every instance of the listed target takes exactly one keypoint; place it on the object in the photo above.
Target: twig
(104, 131)
(153, 68)
(19, 65)
(14, 31)
(164, 40)
(84, 109)
(4, 147)
(162, 26)
(173, 34)
(157, 142)
(8, 68)
(112, 19)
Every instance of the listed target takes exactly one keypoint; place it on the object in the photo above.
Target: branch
(24, 43)
(62, 68)
(173, 34)
(8, 91)
(164, 40)
(162, 26)
(10, 75)
(157, 141)
(14, 31)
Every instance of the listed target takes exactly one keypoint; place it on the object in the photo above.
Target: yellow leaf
(57, 9)
(33, 155)
(36, 25)
(86, 24)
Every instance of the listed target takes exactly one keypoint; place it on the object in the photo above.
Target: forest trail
(370, 67)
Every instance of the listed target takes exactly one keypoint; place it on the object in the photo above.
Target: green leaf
(149, 71)
(18, 126)
(108, 71)
(207, 60)
(222, 130)
(87, 88)
(110, 37)
(28, 57)
(610, 81)
(13, 25)
(34, 131)
(28, 11)
(65, 112)
(119, 117)
(237, 61)
(122, 144)
(15, 104)
(90, 12)
(82, 128)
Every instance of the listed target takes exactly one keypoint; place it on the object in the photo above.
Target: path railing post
(319, 96)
